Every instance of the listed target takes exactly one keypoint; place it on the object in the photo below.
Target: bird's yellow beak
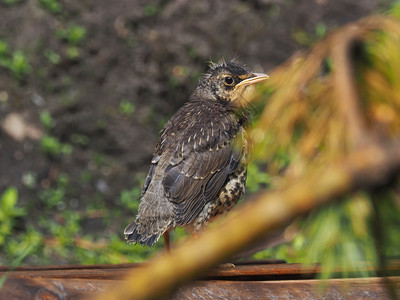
(257, 77)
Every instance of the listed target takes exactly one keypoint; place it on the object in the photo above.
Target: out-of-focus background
(85, 87)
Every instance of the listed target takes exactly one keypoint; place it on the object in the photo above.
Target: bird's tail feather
(133, 236)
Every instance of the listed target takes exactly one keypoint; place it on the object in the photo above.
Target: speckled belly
(227, 198)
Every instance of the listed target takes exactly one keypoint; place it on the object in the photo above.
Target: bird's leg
(166, 242)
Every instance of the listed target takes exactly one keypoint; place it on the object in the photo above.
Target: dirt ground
(103, 99)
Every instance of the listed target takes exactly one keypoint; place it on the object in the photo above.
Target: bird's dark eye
(229, 80)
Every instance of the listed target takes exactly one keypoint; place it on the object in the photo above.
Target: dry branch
(369, 167)
(317, 97)
(345, 84)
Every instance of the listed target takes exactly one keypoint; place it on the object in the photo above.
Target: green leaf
(46, 120)
(9, 199)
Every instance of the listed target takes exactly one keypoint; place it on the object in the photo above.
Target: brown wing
(196, 177)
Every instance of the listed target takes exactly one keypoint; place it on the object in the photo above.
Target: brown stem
(349, 101)
(371, 166)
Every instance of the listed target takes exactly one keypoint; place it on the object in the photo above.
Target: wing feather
(199, 152)
(198, 178)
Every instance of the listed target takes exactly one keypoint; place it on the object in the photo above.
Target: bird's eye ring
(229, 81)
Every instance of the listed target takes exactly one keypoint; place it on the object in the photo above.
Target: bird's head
(228, 82)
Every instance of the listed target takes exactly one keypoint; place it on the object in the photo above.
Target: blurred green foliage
(256, 179)
(52, 146)
(58, 233)
(19, 65)
(126, 107)
(52, 56)
(73, 34)
(11, 2)
(80, 139)
(9, 212)
(151, 10)
(130, 199)
(46, 120)
(308, 39)
(16, 61)
(53, 6)
(4, 53)
(395, 10)
(73, 53)
(343, 235)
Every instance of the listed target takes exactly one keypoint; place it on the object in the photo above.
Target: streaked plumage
(198, 170)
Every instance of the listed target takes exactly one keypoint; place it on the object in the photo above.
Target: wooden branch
(299, 88)
(348, 98)
(369, 167)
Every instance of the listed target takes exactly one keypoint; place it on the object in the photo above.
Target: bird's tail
(132, 235)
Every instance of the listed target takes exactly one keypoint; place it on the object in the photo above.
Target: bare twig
(347, 96)
(369, 167)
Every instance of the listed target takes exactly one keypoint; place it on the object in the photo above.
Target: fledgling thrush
(198, 170)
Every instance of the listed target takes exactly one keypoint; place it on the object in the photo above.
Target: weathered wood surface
(245, 281)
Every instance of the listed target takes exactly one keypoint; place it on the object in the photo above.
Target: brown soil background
(149, 53)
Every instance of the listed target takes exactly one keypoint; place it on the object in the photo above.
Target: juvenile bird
(198, 170)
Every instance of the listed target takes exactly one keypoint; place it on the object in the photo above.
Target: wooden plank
(120, 271)
(242, 271)
(365, 288)
(360, 288)
(244, 281)
(52, 289)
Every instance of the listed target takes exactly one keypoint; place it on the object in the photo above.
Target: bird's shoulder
(198, 126)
